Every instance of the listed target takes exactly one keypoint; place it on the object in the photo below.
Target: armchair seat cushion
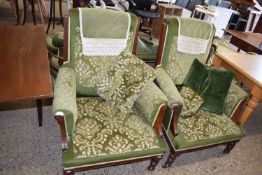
(102, 134)
(205, 128)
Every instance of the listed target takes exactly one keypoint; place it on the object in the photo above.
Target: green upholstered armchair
(94, 133)
(201, 129)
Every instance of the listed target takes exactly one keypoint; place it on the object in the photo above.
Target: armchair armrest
(65, 99)
(175, 101)
(235, 100)
(169, 88)
(152, 103)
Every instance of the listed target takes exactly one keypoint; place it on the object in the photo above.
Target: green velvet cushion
(211, 84)
(58, 39)
(216, 89)
(103, 134)
(123, 81)
(205, 128)
(192, 101)
(196, 76)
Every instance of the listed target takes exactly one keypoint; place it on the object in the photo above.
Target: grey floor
(26, 149)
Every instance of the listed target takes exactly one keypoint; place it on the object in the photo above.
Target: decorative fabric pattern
(103, 130)
(124, 80)
(100, 46)
(191, 45)
(206, 125)
(180, 63)
(65, 92)
(235, 94)
(168, 87)
(192, 101)
(149, 101)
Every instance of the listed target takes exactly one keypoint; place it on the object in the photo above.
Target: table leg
(39, 111)
(256, 94)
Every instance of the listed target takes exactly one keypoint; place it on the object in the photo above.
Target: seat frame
(60, 117)
(176, 113)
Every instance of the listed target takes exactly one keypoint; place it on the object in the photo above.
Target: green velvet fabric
(177, 64)
(50, 46)
(146, 50)
(196, 76)
(211, 84)
(103, 134)
(205, 128)
(115, 23)
(58, 39)
(215, 90)
(149, 102)
(65, 97)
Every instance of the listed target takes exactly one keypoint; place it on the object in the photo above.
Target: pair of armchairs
(96, 132)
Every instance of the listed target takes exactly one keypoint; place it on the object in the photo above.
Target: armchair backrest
(71, 37)
(85, 76)
(183, 40)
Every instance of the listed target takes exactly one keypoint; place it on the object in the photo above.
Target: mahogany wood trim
(174, 120)
(73, 170)
(61, 121)
(136, 37)
(158, 123)
(177, 153)
(237, 112)
(162, 39)
(66, 38)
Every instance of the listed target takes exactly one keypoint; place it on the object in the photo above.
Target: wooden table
(247, 69)
(24, 68)
(246, 41)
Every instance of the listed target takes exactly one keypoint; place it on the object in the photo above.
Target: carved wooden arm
(61, 121)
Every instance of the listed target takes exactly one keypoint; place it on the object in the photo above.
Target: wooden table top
(24, 68)
(248, 65)
(253, 39)
(169, 6)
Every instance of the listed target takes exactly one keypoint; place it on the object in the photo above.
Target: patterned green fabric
(122, 83)
(235, 95)
(65, 96)
(85, 84)
(58, 39)
(175, 63)
(192, 102)
(168, 87)
(146, 50)
(205, 128)
(149, 101)
(103, 134)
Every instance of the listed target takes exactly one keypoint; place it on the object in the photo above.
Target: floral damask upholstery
(97, 132)
(187, 126)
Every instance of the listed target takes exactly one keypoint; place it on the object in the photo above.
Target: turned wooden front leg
(256, 95)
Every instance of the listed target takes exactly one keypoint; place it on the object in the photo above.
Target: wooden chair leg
(33, 10)
(171, 158)
(40, 11)
(25, 8)
(229, 147)
(60, 11)
(153, 163)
